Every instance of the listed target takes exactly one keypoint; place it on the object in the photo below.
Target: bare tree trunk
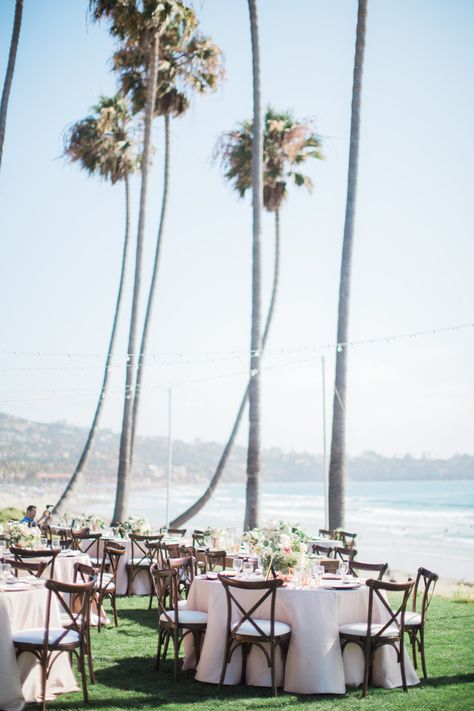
(337, 465)
(202, 501)
(151, 293)
(75, 479)
(123, 473)
(9, 73)
(252, 500)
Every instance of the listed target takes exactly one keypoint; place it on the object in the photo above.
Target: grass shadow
(448, 680)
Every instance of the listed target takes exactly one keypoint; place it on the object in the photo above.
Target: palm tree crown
(101, 142)
(286, 145)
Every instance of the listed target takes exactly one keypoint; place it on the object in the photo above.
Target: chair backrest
(266, 588)
(326, 533)
(345, 554)
(347, 539)
(356, 567)
(65, 537)
(396, 618)
(47, 554)
(425, 584)
(168, 550)
(186, 568)
(215, 558)
(111, 559)
(35, 568)
(140, 547)
(319, 549)
(84, 573)
(199, 538)
(74, 600)
(86, 541)
(178, 532)
(166, 583)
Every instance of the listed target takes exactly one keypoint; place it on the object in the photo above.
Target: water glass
(248, 568)
(237, 565)
(5, 571)
(317, 572)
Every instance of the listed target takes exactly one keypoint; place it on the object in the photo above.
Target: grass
(125, 676)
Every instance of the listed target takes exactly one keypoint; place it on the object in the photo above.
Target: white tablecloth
(64, 566)
(20, 680)
(314, 664)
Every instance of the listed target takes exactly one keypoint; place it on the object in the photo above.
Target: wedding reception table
(314, 663)
(20, 680)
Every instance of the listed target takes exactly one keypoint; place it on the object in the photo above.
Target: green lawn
(124, 664)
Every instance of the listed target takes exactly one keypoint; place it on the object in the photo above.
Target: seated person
(30, 517)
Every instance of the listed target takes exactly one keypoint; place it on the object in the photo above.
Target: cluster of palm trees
(161, 60)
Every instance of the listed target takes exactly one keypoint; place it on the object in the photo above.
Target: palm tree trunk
(253, 451)
(123, 473)
(75, 479)
(9, 73)
(151, 293)
(337, 464)
(202, 501)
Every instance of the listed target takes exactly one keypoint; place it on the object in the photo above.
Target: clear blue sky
(61, 232)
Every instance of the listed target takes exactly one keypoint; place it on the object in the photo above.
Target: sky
(61, 232)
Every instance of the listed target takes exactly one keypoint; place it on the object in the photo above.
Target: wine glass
(5, 571)
(248, 568)
(317, 572)
(237, 565)
(343, 569)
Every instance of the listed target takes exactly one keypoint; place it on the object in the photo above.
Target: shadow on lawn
(447, 680)
(136, 674)
(144, 618)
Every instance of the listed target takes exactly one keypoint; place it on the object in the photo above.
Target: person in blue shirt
(30, 517)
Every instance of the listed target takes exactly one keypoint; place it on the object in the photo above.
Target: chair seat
(186, 617)
(359, 629)
(36, 636)
(138, 562)
(412, 619)
(246, 628)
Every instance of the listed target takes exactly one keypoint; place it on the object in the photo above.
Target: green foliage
(10, 513)
(126, 679)
(286, 145)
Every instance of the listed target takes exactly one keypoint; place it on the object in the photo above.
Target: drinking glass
(44, 543)
(5, 571)
(317, 572)
(248, 568)
(343, 568)
(237, 564)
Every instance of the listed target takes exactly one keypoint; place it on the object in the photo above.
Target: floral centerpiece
(139, 525)
(22, 535)
(280, 545)
(83, 520)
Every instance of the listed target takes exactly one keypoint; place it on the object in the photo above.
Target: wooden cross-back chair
(35, 568)
(344, 554)
(142, 556)
(370, 636)
(106, 583)
(27, 555)
(45, 643)
(251, 630)
(186, 569)
(415, 620)
(174, 623)
(356, 567)
(215, 559)
(347, 539)
(87, 542)
(199, 538)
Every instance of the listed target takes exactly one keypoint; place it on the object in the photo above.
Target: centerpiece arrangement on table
(22, 535)
(280, 545)
(137, 525)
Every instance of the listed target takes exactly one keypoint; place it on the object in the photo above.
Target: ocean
(405, 523)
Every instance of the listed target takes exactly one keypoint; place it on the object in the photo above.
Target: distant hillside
(33, 450)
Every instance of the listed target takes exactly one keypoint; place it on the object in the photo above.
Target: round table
(314, 663)
(20, 680)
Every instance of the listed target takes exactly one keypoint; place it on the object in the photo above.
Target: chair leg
(367, 658)
(158, 651)
(422, 652)
(82, 668)
(272, 661)
(167, 641)
(89, 657)
(44, 677)
(228, 644)
(176, 655)
(113, 600)
(412, 637)
(402, 665)
(245, 651)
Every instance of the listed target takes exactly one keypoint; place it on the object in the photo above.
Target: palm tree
(286, 145)
(9, 73)
(140, 23)
(101, 145)
(252, 498)
(337, 464)
(189, 62)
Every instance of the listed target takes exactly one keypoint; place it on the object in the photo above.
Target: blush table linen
(20, 680)
(314, 663)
